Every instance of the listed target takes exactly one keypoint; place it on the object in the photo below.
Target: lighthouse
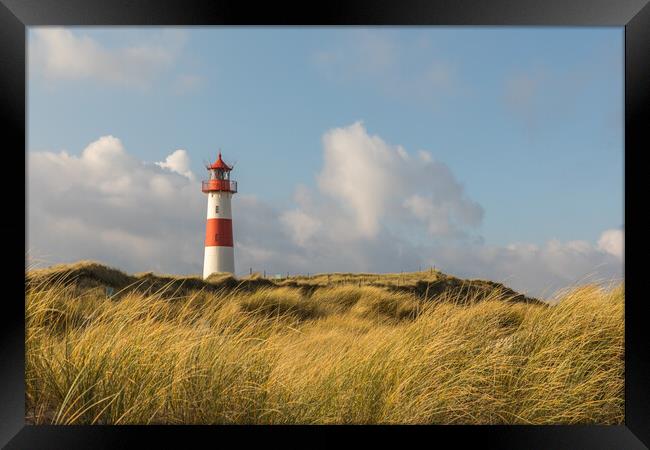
(219, 255)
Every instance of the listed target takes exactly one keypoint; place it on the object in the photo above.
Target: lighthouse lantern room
(219, 254)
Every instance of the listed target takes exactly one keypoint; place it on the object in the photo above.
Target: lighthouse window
(216, 209)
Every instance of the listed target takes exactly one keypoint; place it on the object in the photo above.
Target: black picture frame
(16, 15)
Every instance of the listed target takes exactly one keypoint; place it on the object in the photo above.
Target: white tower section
(219, 258)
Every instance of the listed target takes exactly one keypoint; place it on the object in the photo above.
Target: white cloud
(420, 207)
(61, 54)
(425, 156)
(537, 270)
(107, 205)
(378, 182)
(357, 172)
(612, 242)
(436, 217)
(179, 162)
(301, 225)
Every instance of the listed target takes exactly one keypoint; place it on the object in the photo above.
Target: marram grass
(340, 354)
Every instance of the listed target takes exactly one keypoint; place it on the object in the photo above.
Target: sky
(487, 152)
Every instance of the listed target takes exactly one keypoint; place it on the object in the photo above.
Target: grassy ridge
(349, 353)
(429, 284)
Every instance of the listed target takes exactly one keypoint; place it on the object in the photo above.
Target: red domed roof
(219, 164)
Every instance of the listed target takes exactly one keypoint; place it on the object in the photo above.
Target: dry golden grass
(342, 353)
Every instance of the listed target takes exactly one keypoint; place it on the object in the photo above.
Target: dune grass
(340, 354)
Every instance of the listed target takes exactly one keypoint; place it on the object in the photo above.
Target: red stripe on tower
(218, 232)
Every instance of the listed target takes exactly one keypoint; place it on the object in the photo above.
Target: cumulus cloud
(378, 182)
(611, 241)
(535, 269)
(105, 204)
(61, 54)
(179, 162)
(436, 216)
(301, 226)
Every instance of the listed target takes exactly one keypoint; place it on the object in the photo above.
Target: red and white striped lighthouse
(219, 254)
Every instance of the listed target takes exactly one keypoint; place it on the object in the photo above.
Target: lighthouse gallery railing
(219, 185)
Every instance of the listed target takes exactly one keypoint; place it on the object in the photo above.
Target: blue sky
(528, 120)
